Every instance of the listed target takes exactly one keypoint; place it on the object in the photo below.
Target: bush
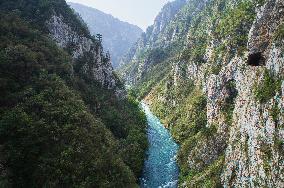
(279, 34)
(228, 105)
(209, 177)
(268, 88)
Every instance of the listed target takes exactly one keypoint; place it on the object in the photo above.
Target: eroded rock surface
(80, 46)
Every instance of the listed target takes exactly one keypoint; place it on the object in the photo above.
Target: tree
(107, 56)
(100, 37)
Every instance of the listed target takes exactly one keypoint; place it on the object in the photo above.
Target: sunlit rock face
(254, 157)
(165, 16)
(157, 35)
(98, 66)
(118, 36)
(239, 75)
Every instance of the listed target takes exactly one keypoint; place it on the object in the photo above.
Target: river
(160, 168)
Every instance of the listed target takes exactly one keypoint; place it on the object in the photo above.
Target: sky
(138, 12)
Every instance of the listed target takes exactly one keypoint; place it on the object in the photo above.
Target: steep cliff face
(222, 95)
(166, 15)
(254, 156)
(161, 42)
(140, 58)
(118, 36)
(79, 46)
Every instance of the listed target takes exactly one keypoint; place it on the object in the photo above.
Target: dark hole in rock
(256, 59)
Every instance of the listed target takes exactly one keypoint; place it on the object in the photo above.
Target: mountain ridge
(118, 36)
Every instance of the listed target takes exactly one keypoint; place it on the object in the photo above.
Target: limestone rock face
(100, 68)
(268, 19)
(253, 156)
(253, 129)
(164, 17)
(159, 34)
(118, 42)
(251, 141)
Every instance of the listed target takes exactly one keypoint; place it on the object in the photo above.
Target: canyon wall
(221, 93)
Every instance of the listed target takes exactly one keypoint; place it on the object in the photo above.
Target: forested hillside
(65, 118)
(214, 75)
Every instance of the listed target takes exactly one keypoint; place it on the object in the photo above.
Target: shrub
(228, 105)
(268, 88)
(279, 34)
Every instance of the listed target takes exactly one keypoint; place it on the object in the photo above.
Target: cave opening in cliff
(256, 59)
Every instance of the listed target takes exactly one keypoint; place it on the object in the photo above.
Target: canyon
(196, 101)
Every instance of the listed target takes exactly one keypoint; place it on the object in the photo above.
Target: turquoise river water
(160, 168)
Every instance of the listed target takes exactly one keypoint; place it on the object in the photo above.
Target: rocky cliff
(165, 38)
(79, 46)
(254, 156)
(221, 94)
(118, 36)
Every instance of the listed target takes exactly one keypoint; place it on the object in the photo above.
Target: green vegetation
(259, 2)
(235, 23)
(149, 80)
(194, 120)
(58, 126)
(169, 108)
(215, 69)
(275, 111)
(279, 144)
(50, 139)
(279, 34)
(228, 105)
(268, 88)
(267, 155)
(210, 177)
(39, 11)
